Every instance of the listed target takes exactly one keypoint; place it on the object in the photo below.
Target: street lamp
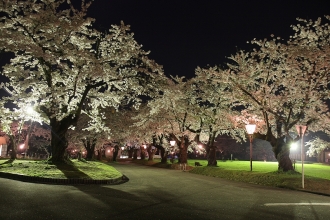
(172, 143)
(301, 131)
(250, 128)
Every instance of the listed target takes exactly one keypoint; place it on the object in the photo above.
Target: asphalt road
(155, 193)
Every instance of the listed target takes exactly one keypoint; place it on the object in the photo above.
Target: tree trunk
(211, 156)
(283, 158)
(59, 142)
(99, 154)
(135, 154)
(183, 144)
(130, 152)
(90, 147)
(211, 150)
(163, 155)
(151, 152)
(142, 153)
(115, 152)
(90, 153)
(13, 153)
(183, 157)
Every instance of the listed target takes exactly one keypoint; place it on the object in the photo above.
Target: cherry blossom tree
(89, 133)
(316, 147)
(284, 84)
(174, 107)
(17, 124)
(61, 61)
(152, 128)
(214, 110)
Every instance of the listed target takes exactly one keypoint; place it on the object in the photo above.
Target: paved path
(155, 193)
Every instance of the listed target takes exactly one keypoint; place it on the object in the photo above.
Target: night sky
(184, 34)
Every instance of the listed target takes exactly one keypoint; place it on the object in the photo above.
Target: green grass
(78, 169)
(317, 176)
(311, 169)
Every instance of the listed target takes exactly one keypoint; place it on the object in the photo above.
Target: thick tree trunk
(59, 142)
(135, 152)
(13, 146)
(115, 152)
(163, 155)
(283, 158)
(99, 154)
(142, 153)
(90, 148)
(90, 153)
(211, 156)
(211, 150)
(13, 154)
(58, 145)
(183, 157)
(151, 153)
(130, 152)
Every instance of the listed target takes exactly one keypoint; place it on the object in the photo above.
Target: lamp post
(122, 152)
(250, 128)
(301, 131)
(172, 143)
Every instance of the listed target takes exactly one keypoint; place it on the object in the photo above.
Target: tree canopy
(62, 63)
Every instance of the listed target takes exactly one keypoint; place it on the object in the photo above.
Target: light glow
(294, 146)
(250, 128)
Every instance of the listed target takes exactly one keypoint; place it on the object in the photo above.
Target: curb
(35, 179)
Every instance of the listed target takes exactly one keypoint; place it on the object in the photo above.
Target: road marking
(297, 204)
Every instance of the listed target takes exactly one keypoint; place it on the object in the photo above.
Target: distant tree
(172, 112)
(89, 133)
(262, 150)
(226, 145)
(17, 125)
(316, 147)
(214, 109)
(151, 128)
(60, 61)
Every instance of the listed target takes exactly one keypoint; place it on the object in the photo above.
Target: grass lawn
(310, 169)
(78, 169)
(317, 176)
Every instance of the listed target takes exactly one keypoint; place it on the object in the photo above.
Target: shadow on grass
(8, 161)
(71, 172)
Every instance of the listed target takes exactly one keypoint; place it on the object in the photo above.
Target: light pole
(122, 152)
(250, 128)
(172, 143)
(301, 131)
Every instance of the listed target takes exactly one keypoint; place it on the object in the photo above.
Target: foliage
(20, 125)
(61, 63)
(283, 84)
(316, 147)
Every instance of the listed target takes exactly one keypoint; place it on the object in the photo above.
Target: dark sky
(184, 34)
